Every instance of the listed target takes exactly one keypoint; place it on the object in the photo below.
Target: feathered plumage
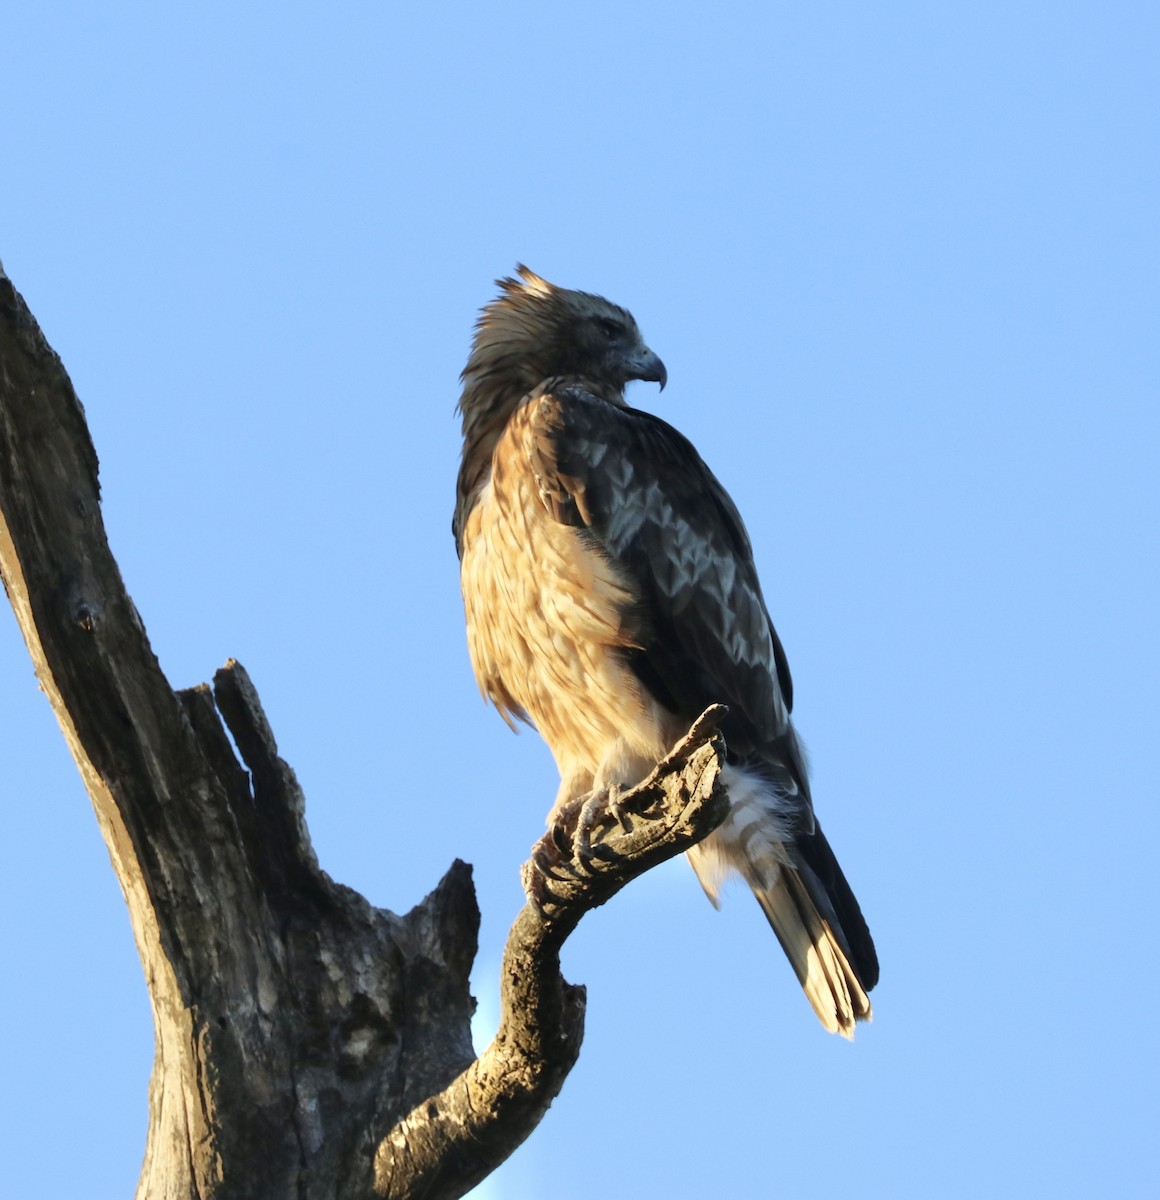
(611, 596)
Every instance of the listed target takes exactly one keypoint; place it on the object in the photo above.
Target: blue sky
(902, 264)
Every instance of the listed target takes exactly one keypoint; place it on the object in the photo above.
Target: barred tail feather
(801, 890)
(814, 949)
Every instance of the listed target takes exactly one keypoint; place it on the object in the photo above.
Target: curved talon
(559, 835)
(583, 823)
(576, 846)
(620, 805)
(603, 811)
(591, 812)
(546, 857)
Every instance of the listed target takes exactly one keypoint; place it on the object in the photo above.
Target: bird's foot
(551, 855)
(580, 826)
(581, 844)
(601, 811)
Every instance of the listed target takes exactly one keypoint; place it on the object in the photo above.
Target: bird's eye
(611, 329)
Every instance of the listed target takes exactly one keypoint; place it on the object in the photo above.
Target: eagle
(611, 596)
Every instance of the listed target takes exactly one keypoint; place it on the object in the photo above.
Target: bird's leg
(582, 843)
(551, 856)
(602, 810)
(594, 812)
(579, 825)
(570, 834)
(585, 822)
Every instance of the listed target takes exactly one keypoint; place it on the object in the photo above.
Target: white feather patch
(751, 841)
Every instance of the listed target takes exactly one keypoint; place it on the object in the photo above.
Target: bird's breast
(547, 622)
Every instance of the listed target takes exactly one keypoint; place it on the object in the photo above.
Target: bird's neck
(491, 394)
(488, 400)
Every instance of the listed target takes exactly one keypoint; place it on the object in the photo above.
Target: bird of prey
(611, 596)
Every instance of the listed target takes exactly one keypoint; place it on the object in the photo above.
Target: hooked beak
(645, 365)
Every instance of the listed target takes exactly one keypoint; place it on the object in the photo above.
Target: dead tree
(308, 1045)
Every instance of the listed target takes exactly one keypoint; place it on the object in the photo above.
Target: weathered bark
(466, 1131)
(307, 1043)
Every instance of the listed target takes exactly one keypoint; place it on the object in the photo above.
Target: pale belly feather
(546, 636)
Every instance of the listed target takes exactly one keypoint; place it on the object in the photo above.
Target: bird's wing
(642, 493)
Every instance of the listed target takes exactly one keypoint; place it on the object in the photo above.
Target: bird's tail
(805, 897)
(803, 916)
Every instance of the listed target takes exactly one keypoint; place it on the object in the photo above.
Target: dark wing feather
(646, 498)
(643, 494)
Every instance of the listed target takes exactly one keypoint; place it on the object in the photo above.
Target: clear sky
(901, 261)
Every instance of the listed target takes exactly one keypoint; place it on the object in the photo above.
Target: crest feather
(532, 282)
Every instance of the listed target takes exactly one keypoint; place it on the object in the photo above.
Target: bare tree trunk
(308, 1045)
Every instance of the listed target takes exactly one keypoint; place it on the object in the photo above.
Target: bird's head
(534, 331)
